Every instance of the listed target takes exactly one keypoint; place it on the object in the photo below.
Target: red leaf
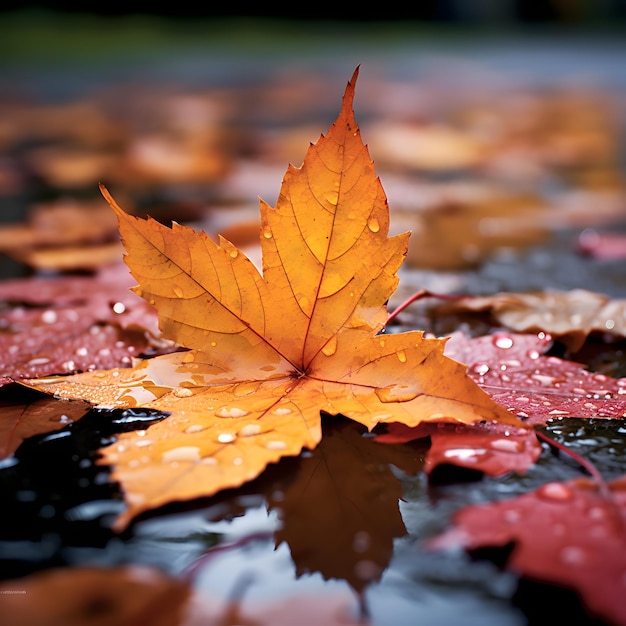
(514, 371)
(492, 448)
(566, 534)
(73, 323)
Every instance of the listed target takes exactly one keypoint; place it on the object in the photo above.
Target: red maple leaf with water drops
(567, 534)
(72, 324)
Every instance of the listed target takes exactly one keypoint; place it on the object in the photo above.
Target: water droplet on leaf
(226, 437)
(231, 411)
(331, 346)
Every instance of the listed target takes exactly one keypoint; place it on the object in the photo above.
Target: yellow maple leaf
(269, 351)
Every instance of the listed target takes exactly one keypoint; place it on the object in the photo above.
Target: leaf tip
(109, 198)
(349, 93)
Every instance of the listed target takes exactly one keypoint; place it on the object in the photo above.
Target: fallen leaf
(131, 595)
(569, 316)
(513, 369)
(68, 324)
(269, 352)
(493, 449)
(23, 418)
(566, 534)
(455, 234)
(601, 245)
(92, 596)
(60, 223)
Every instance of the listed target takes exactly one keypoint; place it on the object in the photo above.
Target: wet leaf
(565, 534)
(456, 234)
(569, 316)
(73, 323)
(21, 418)
(126, 596)
(602, 245)
(269, 352)
(493, 449)
(513, 369)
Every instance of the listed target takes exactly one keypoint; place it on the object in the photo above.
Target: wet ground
(61, 515)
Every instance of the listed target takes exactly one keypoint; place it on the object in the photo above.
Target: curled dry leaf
(569, 316)
(566, 534)
(269, 351)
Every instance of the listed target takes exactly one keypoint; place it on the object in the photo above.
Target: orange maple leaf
(270, 351)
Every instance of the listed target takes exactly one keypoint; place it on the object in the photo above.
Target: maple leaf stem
(587, 465)
(418, 295)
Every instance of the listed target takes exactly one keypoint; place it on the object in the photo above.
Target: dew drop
(401, 356)
(245, 389)
(505, 445)
(373, 225)
(178, 292)
(119, 308)
(267, 232)
(395, 393)
(480, 368)
(238, 461)
(464, 454)
(276, 444)
(503, 341)
(556, 492)
(609, 324)
(573, 555)
(250, 430)
(233, 254)
(231, 411)
(546, 381)
(226, 437)
(195, 428)
(82, 351)
(183, 453)
(533, 354)
(38, 361)
(213, 344)
(366, 570)
(281, 411)
(331, 346)
(182, 392)
(332, 197)
(512, 516)
(64, 419)
(49, 317)
(361, 541)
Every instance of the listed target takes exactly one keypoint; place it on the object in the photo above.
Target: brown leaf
(569, 316)
(133, 595)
